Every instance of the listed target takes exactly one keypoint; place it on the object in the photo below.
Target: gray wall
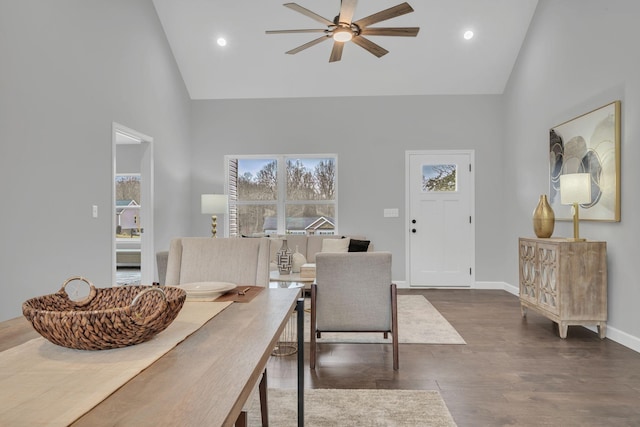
(72, 67)
(370, 136)
(578, 55)
(69, 69)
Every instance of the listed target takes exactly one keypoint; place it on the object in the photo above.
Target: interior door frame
(147, 258)
(472, 201)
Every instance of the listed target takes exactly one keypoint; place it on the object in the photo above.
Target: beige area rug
(338, 407)
(45, 384)
(418, 323)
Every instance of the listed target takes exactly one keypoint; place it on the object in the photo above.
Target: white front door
(440, 218)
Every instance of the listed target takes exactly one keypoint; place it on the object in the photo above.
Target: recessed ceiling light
(222, 41)
(468, 35)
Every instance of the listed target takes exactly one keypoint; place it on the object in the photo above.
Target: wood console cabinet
(565, 281)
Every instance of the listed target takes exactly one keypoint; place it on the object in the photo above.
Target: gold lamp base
(214, 225)
(576, 225)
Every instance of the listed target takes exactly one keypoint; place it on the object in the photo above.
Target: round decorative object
(297, 261)
(206, 290)
(543, 218)
(284, 258)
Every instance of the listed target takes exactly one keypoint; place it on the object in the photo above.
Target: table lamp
(575, 188)
(214, 204)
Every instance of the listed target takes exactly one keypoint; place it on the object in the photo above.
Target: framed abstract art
(589, 143)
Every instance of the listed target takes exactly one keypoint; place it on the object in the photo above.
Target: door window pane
(439, 178)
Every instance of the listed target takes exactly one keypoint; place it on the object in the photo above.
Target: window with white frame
(282, 194)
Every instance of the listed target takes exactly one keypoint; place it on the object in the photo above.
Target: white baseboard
(623, 338)
(497, 285)
(613, 334)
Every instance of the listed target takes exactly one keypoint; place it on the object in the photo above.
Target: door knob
(413, 221)
(413, 230)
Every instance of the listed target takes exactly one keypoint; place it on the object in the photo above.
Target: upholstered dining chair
(206, 259)
(234, 260)
(353, 293)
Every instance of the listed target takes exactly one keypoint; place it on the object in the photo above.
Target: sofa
(309, 246)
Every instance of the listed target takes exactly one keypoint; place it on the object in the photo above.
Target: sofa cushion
(314, 245)
(335, 245)
(356, 245)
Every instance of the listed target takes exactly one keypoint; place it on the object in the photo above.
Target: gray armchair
(353, 293)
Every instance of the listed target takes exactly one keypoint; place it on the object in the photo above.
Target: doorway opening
(132, 210)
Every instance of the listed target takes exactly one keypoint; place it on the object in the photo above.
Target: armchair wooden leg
(242, 419)
(312, 343)
(394, 325)
(264, 409)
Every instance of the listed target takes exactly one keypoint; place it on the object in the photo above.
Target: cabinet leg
(562, 329)
(602, 330)
(523, 310)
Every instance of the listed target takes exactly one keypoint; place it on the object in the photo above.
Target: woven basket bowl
(107, 318)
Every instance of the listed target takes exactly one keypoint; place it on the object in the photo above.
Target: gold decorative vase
(543, 218)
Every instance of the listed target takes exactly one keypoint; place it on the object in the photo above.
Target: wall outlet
(94, 211)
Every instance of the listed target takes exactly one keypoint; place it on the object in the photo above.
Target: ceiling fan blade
(370, 46)
(307, 12)
(307, 45)
(399, 31)
(347, 8)
(296, 31)
(336, 52)
(383, 15)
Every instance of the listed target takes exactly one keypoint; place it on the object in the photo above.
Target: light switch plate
(94, 211)
(391, 213)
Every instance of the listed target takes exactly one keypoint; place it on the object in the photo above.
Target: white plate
(205, 289)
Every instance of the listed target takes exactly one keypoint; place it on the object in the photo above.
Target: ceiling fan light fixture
(342, 35)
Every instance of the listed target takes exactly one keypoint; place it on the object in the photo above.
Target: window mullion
(282, 194)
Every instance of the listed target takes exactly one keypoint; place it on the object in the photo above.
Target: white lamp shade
(575, 188)
(214, 203)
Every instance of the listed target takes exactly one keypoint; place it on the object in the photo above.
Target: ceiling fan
(343, 29)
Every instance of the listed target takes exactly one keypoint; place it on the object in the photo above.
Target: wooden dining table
(203, 381)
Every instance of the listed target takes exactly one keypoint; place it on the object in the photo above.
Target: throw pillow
(356, 245)
(335, 245)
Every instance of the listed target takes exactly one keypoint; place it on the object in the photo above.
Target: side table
(565, 281)
(287, 343)
(292, 280)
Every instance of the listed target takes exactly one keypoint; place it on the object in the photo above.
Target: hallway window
(128, 206)
(282, 194)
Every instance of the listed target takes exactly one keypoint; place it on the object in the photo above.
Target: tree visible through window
(439, 178)
(282, 194)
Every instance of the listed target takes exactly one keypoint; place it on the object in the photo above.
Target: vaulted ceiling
(254, 65)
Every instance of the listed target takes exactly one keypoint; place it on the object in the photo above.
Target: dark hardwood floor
(511, 372)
